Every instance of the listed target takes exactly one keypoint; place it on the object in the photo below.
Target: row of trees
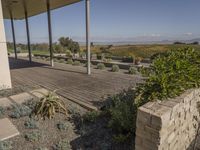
(193, 43)
(64, 44)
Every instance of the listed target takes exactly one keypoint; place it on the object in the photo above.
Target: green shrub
(20, 111)
(61, 61)
(132, 70)
(31, 124)
(31, 104)
(33, 136)
(123, 116)
(170, 75)
(100, 66)
(62, 145)
(69, 61)
(91, 116)
(76, 63)
(115, 68)
(63, 126)
(6, 145)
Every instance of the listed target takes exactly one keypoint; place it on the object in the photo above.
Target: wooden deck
(71, 82)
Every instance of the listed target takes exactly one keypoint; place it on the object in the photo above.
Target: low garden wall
(168, 125)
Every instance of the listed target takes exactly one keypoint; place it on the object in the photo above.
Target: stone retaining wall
(168, 125)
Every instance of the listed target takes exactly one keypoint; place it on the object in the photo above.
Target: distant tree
(195, 43)
(178, 42)
(58, 48)
(92, 44)
(69, 44)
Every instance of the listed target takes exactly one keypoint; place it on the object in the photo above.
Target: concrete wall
(168, 125)
(5, 81)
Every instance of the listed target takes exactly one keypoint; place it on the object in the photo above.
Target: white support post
(5, 79)
(87, 7)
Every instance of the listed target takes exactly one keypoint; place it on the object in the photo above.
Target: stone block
(39, 92)
(5, 103)
(21, 98)
(7, 129)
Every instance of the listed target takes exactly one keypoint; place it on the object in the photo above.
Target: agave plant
(49, 105)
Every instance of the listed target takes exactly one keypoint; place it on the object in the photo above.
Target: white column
(5, 79)
(87, 5)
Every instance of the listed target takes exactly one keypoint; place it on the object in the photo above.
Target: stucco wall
(168, 125)
(5, 81)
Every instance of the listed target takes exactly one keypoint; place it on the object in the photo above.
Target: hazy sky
(117, 20)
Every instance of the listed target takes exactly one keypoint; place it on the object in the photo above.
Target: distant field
(144, 51)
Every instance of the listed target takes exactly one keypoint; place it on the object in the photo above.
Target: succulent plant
(49, 105)
(6, 145)
(33, 136)
(63, 126)
(100, 66)
(20, 111)
(62, 145)
(132, 70)
(31, 124)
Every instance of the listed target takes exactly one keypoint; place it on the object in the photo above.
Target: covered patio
(73, 83)
(23, 9)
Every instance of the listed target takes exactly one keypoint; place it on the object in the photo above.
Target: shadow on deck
(71, 82)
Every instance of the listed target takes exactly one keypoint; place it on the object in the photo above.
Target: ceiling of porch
(34, 7)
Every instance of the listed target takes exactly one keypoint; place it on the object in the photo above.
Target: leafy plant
(91, 116)
(69, 61)
(132, 70)
(115, 68)
(6, 145)
(76, 63)
(49, 105)
(61, 61)
(20, 111)
(33, 136)
(170, 75)
(31, 104)
(31, 124)
(63, 126)
(123, 116)
(100, 66)
(62, 145)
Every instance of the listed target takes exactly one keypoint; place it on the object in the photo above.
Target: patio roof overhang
(33, 7)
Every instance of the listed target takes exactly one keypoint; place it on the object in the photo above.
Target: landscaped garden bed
(79, 129)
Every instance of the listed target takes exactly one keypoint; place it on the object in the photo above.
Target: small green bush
(76, 63)
(69, 61)
(132, 70)
(63, 126)
(91, 116)
(20, 111)
(115, 68)
(33, 136)
(100, 66)
(62, 145)
(6, 145)
(31, 124)
(61, 61)
(123, 112)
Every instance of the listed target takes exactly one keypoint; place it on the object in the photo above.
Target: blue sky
(117, 20)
